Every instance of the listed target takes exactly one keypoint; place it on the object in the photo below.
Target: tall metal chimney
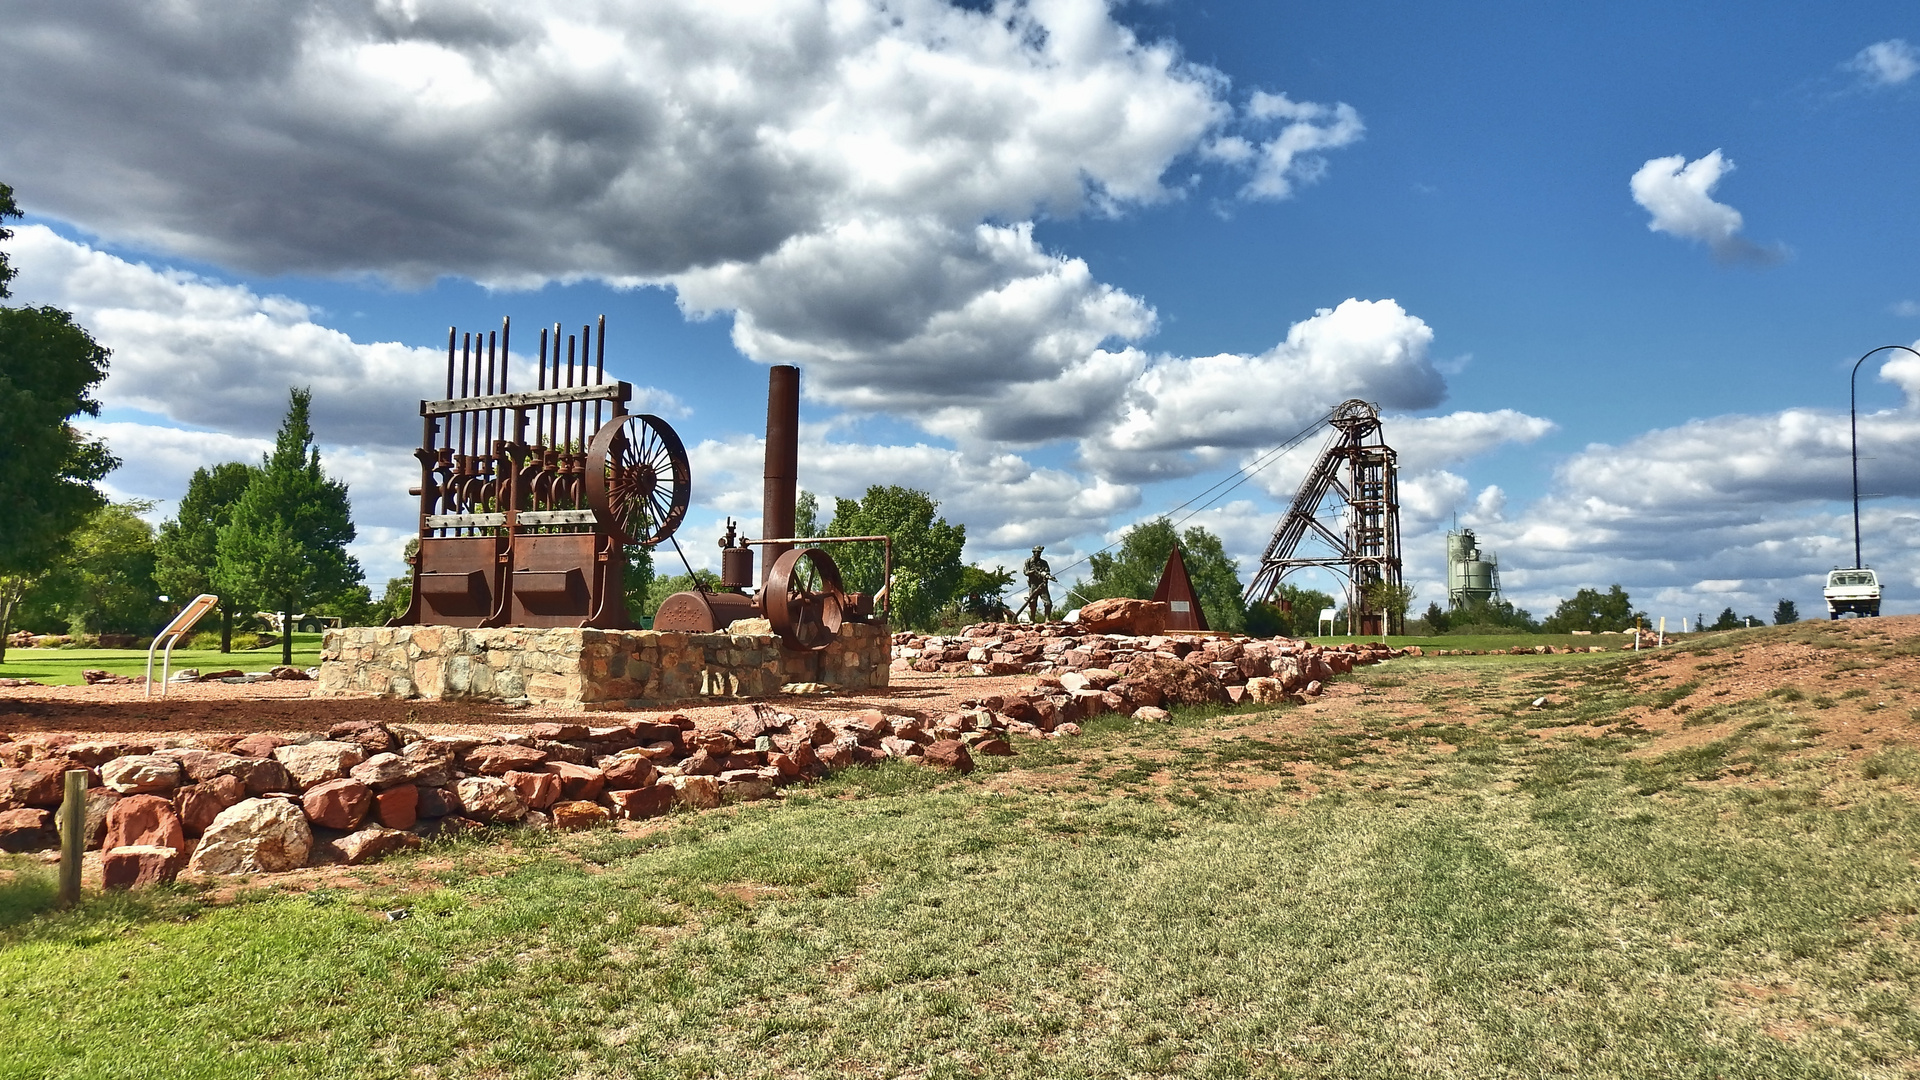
(783, 457)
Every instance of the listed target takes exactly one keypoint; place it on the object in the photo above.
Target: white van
(1856, 590)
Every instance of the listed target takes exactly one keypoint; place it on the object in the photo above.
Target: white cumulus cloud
(1679, 195)
(1886, 63)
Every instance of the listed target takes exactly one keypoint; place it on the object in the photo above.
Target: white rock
(141, 774)
(484, 798)
(699, 792)
(317, 762)
(255, 836)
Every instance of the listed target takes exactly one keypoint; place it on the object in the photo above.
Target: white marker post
(177, 629)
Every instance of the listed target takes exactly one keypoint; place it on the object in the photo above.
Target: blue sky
(1062, 264)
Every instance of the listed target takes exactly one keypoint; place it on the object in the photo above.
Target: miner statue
(1038, 598)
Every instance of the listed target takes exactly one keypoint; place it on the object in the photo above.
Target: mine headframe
(802, 593)
(529, 499)
(1356, 471)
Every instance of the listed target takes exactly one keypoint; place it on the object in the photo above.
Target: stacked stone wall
(584, 667)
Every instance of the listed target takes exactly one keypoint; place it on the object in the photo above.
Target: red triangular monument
(1176, 591)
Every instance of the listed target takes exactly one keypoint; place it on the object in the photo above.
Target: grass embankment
(62, 667)
(1431, 881)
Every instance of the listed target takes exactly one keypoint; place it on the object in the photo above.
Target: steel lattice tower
(1357, 465)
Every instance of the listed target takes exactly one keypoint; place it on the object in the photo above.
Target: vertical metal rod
(599, 367)
(540, 413)
(506, 351)
(493, 349)
(73, 835)
(566, 443)
(453, 335)
(553, 415)
(466, 390)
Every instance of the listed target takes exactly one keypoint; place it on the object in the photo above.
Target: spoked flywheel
(638, 481)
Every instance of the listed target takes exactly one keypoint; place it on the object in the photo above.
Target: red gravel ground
(287, 708)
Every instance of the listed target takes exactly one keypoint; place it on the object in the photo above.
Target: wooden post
(73, 836)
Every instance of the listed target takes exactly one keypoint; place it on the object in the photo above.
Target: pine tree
(189, 542)
(285, 542)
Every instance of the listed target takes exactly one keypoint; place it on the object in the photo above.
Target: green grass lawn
(1480, 903)
(62, 667)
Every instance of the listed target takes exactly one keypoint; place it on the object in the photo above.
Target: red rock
(318, 762)
(577, 782)
(198, 804)
(429, 764)
(1120, 615)
(27, 829)
(1066, 730)
(836, 755)
(140, 865)
(259, 746)
(491, 800)
(498, 759)
(538, 790)
(370, 736)
(100, 800)
(260, 775)
(1236, 694)
(371, 844)
(949, 754)
(37, 783)
(437, 802)
(579, 815)
(895, 746)
(1177, 681)
(995, 747)
(637, 803)
(144, 820)
(558, 732)
(397, 807)
(626, 773)
(337, 804)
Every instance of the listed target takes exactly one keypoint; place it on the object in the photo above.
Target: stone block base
(589, 668)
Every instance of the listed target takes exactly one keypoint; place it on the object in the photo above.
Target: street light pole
(1853, 420)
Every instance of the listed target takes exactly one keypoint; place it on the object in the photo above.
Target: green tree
(1392, 599)
(983, 592)
(638, 581)
(926, 550)
(1730, 621)
(1491, 617)
(7, 210)
(1134, 570)
(1590, 609)
(1436, 618)
(189, 541)
(105, 585)
(662, 587)
(1786, 612)
(285, 541)
(806, 515)
(48, 366)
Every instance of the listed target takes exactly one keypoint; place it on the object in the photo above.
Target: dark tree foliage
(983, 592)
(7, 210)
(47, 367)
(1134, 570)
(285, 543)
(806, 514)
(48, 364)
(105, 583)
(189, 542)
(1590, 609)
(926, 550)
(1785, 613)
(1730, 621)
(1491, 617)
(1293, 612)
(1437, 619)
